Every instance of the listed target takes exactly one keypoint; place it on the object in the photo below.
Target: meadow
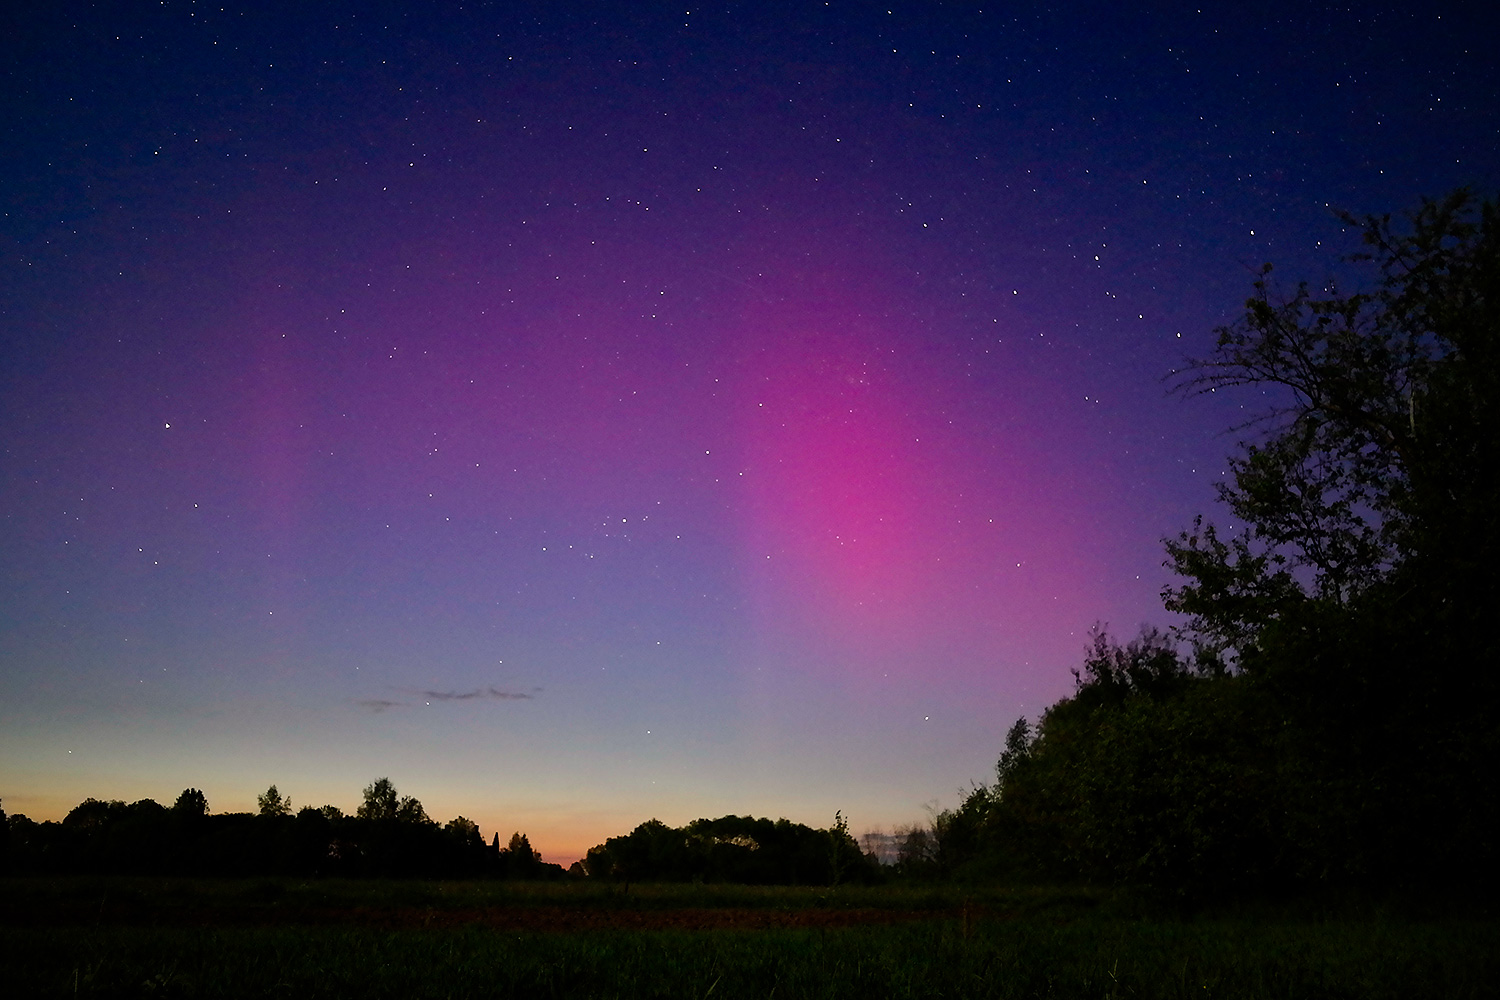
(286, 937)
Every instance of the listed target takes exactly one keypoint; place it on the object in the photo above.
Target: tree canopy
(1326, 710)
(1376, 462)
(391, 835)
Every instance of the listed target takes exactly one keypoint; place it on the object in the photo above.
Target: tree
(519, 860)
(1017, 752)
(272, 803)
(380, 801)
(1149, 664)
(520, 849)
(410, 810)
(598, 863)
(844, 856)
(191, 803)
(916, 853)
(93, 813)
(1359, 589)
(1379, 452)
(463, 829)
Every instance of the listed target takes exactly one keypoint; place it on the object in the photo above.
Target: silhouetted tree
(272, 803)
(191, 804)
(463, 830)
(599, 862)
(1151, 773)
(916, 851)
(518, 860)
(520, 848)
(844, 856)
(1335, 717)
(380, 801)
(411, 811)
(144, 838)
(1016, 753)
(1359, 591)
(465, 850)
(1379, 448)
(93, 814)
(732, 849)
(1149, 664)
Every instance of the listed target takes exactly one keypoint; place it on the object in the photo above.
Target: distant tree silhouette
(391, 836)
(93, 813)
(916, 851)
(466, 844)
(599, 862)
(462, 828)
(272, 803)
(380, 801)
(518, 859)
(191, 804)
(520, 847)
(731, 849)
(844, 855)
(410, 811)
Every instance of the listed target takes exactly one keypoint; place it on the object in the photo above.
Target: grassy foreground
(121, 937)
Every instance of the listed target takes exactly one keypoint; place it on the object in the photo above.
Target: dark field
(166, 937)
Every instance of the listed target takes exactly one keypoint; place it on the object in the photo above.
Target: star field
(581, 413)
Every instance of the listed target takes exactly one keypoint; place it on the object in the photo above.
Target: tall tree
(191, 803)
(273, 803)
(1379, 449)
(380, 800)
(1359, 590)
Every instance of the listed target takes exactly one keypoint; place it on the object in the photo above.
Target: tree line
(389, 835)
(1326, 713)
(740, 849)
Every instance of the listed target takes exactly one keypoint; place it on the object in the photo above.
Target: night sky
(581, 413)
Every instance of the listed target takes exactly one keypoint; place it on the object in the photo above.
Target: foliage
(845, 859)
(190, 804)
(1358, 593)
(391, 835)
(1017, 753)
(272, 803)
(916, 851)
(380, 801)
(733, 849)
(1378, 458)
(1335, 718)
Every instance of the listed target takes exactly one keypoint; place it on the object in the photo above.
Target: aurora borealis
(584, 413)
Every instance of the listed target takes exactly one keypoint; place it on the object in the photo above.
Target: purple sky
(585, 413)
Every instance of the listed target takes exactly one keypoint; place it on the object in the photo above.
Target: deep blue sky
(586, 412)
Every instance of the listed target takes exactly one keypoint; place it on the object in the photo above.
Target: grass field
(159, 937)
